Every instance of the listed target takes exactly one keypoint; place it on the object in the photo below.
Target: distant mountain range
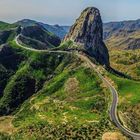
(116, 27)
(52, 85)
(60, 31)
(122, 35)
(117, 35)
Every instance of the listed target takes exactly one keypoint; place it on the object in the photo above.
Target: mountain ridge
(87, 32)
(58, 30)
(122, 35)
(113, 25)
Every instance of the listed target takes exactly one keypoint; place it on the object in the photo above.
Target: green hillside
(6, 26)
(53, 91)
(127, 62)
(129, 99)
(64, 97)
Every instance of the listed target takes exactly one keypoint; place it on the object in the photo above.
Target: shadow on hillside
(118, 73)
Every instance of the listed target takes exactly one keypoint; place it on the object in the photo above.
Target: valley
(65, 89)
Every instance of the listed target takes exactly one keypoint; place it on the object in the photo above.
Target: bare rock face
(87, 32)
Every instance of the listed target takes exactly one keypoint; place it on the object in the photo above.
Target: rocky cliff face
(88, 32)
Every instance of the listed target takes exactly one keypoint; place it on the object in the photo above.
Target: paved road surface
(113, 109)
(35, 50)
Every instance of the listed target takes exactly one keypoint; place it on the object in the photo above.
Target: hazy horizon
(64, 12)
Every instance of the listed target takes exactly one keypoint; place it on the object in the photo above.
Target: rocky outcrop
(88, 33)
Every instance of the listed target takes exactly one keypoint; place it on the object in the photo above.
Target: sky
(64, 12)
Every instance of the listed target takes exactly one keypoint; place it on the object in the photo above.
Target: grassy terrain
(69, 45)
(32, 70)
(6, 26)
(129, 101)
(7, 32)
(128, 90)
(60, 100)
(127, 62)
(55, 96)
(65, 107)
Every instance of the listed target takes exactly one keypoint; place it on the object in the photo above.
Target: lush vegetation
(129, 98)
(127, 62)
(128, 90)
(64, 102)
(50, 96)
(6, 26)
(26, 72)
(36, 37)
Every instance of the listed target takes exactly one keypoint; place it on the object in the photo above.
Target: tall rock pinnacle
(88, 33)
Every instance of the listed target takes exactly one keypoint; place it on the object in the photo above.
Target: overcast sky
(65, 12)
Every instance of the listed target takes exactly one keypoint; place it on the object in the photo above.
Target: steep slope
(23, 74)
(56, 94)
(58, 30)
(87, 32)
(126, 61)
(32, 34)
(60, 96)
(7, 32)
(122, 35)
(7, 35)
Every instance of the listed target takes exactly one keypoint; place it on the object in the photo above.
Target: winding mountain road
(35, 50)
(113, 109)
